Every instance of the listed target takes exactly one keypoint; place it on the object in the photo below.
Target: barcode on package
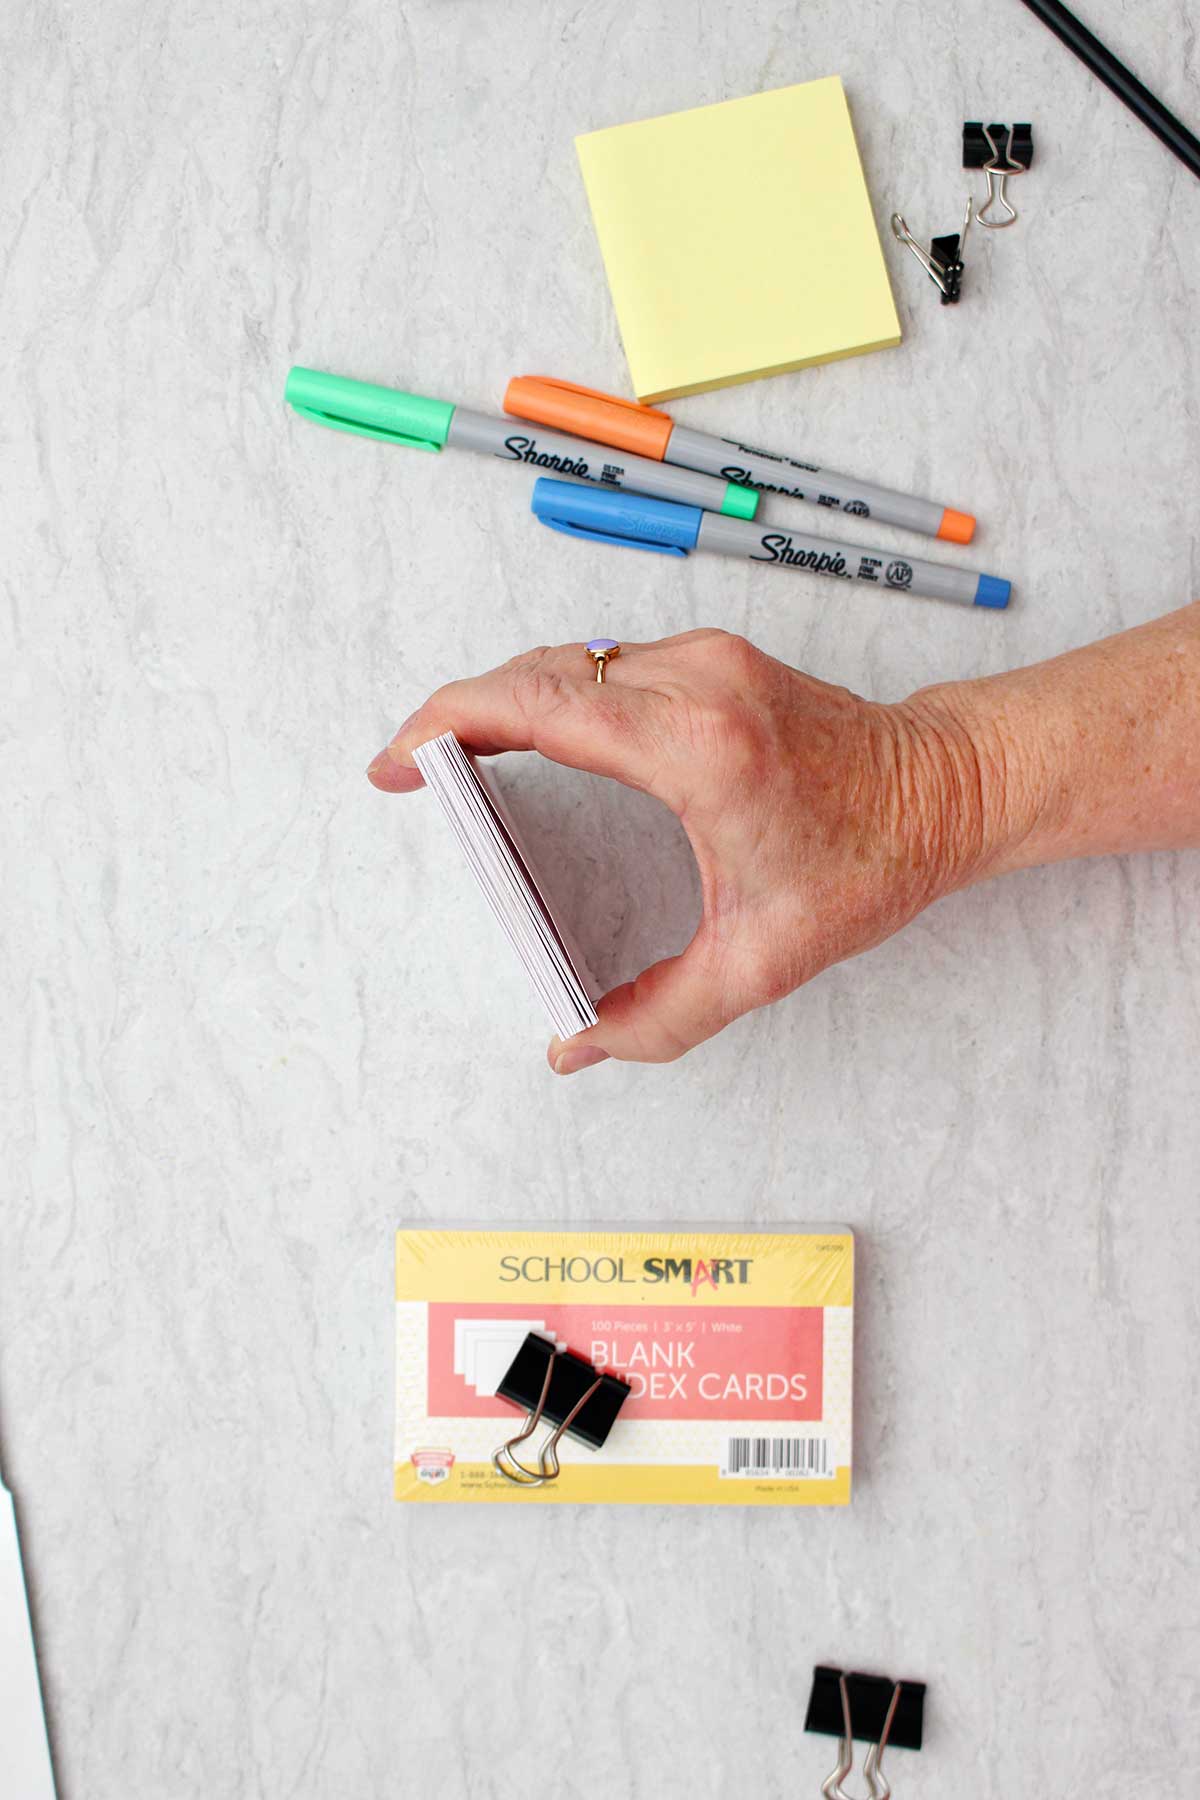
(802, 1457)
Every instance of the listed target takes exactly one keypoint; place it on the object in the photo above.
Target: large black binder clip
(868, 1707)
(981, 143)
(564, 1391)
(943, 261)
(1002, 152)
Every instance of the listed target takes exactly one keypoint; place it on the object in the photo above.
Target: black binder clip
(869, 1707)
(943, 261)
(564, 1390)
(1001, 153)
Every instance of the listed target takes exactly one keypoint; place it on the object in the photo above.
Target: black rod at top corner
(1125, 85)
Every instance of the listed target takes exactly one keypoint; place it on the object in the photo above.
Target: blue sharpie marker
(640, 523)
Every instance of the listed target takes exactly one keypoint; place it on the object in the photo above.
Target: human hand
(821, 823)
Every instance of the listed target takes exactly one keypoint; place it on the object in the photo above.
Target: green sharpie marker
(423, 424)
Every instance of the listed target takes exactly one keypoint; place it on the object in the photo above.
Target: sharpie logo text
(745, 478)
(524, 449)
(780, 548)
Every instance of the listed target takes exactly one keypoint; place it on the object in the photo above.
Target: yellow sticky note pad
(738, 240)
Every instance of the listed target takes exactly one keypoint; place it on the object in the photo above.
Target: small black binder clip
(567, 1393)
(943, 261)
(1001, 153)
(868, 1707)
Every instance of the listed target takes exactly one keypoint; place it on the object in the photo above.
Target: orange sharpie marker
(647, 431)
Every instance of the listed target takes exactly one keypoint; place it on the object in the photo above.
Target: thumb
(670, 1008)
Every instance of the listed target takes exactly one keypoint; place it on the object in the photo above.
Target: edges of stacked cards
(517, 899)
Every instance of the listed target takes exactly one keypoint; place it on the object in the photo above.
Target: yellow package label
(733, 1351)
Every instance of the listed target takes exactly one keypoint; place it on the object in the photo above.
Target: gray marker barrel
(772, 474)
(513, 440)
(845, 562)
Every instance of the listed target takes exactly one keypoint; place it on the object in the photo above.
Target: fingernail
(586, 1056)
(388, 754)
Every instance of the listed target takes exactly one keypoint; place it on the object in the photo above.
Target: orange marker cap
(956, 527)
(583, 412)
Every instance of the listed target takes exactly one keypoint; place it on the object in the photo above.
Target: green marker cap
(740, 502)
(371, 411)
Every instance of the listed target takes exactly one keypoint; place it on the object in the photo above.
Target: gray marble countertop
(254, 1018)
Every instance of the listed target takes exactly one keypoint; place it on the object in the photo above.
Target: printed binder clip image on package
(568, 1394)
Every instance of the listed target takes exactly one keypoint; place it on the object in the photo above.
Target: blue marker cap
(992, 591)
(614, 516)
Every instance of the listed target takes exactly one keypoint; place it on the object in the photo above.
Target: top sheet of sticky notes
(738, 239)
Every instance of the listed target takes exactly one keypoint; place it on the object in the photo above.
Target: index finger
(543, 700)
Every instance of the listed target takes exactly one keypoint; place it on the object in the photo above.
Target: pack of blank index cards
(703, 1366)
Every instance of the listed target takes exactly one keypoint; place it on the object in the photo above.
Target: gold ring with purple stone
(602, 651)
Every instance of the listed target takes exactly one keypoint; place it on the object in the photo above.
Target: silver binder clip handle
(548, 1456)
(999, 171)
(505, 1461)
(831, 1787)
(879, 1788)
(900, 230)
(948, 286)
